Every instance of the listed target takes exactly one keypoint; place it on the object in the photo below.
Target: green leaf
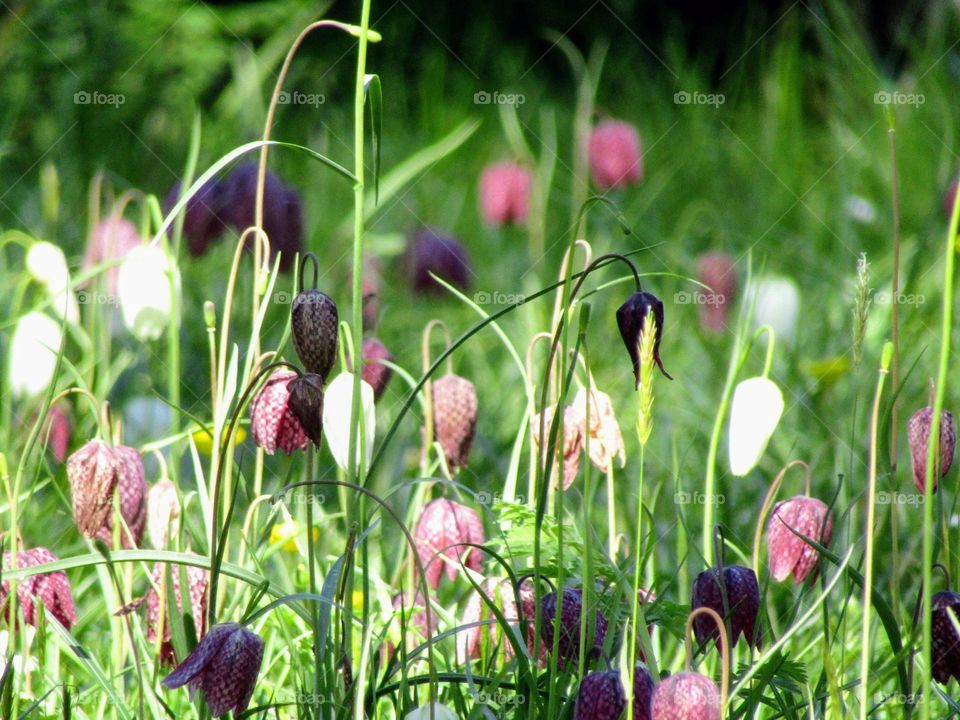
(373, 92)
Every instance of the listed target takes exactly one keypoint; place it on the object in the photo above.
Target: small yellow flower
(827, 371)
(204, 441)
(285, 534)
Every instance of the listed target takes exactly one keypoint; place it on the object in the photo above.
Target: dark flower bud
(428, 252)
(568, 648)
(742, 606)
(314, 325)
(203, 220)
(306, 402)
(642, 692)
(600, 697)
(945, 649)
(630, 319)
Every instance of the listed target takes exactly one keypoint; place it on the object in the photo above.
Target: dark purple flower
(429, 251)
(601, 697)
(741, 608)
(568, 645)
(224, 665)
(630, 319)
(306, 402)
(203, 221)
(314, 326)
(945, 649)
(642, 692)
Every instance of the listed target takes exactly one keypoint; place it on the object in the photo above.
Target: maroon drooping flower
(788, 553)
(282, 210)
(430, 251)
(443, 527)
(643, 688)
(717, 271)
(918, 434)
(614, 150)
(742, 604)
(630, 319)
(224, 665)
(375, 373)
(273, 422)
(501, 592)
(306, 402)
(600, 697)
(686, 696)
(57, 431)
(197, 590)
(203, 220)
(454, 417)
(571, 608)
(93, 472)
(132, 490)
(315, 331)
(945, 648)
(51, 589)
(505, 193)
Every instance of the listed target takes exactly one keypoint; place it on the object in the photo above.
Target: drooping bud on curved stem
(724, 655)
(768, 503)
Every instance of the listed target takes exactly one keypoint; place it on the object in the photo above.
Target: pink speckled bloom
(505, 193)
(93, 472)
(686, 696)
(197, 588)
(52, 589)
(224, 665)
(787, 552)
(442, 525)
(614, 150)
(273, 422)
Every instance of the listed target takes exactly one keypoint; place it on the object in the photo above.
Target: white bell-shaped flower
(143, 289)
(33, 354)
(337, 402)
(48, 266)
(440, 712)
(777, 305)
(754, 413)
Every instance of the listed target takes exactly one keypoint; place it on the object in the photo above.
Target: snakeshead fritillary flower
(788, 553)
(272, 420)
(163, 513)
(51, 589)
(742, 604)
(48, 266)
(754, 414)
(945, 651)
(306, 402)
(197, 589)
(571, 609)
(717, 271)
(224, 665)
(777, 305)
(440, 712)
(93, 472)
(336, 420)
(501, 592)
(602, 433)
(443, 527)
(600, 697)
(57, 431)
(918, 432)
(454, 417)
(110, 241)
(431, 252)
(132, 490)
(505, 193)
(33, 354)
(614, 149)
(374, 372)
(643, 688)
(313, 325)
(570, 447)
(630, 319)
(686, 696)
(144, 290)
(202, 221)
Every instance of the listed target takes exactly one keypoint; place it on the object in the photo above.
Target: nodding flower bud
(788, 553)
(918, 433)
(272, 420)
(686, 696)
(93, 472)
(306, 402)
(132, 492)
(945, 650)
(600, 697)
(505, 193)
(614, 151)
(315, 330)
(224, 665)
(643, 688)
(203, 220)
(443, 538)
(454, 417)
(571, 609)
(51, 589)
(737, 585)
(630, 319)
(432, 252)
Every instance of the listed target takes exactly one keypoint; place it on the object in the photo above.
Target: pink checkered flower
(197, 587)
(443, 527)
(273, 421)
(93, 472)
(788, 553)
(132, 490)
(51, 589)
